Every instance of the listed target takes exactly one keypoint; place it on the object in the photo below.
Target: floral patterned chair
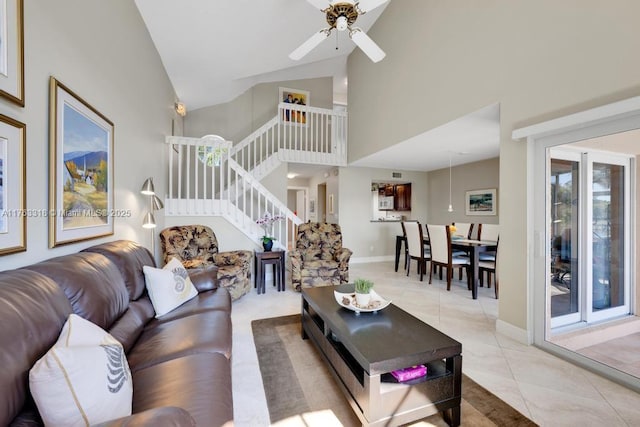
(196, 246)
(319, 258)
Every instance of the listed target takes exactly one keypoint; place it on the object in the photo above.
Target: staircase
(209, 176)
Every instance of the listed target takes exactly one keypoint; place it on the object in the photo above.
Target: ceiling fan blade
(309, 45)
(367, 5)
(368, 46)
(319, 4)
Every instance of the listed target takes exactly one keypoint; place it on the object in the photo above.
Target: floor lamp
(155, 204)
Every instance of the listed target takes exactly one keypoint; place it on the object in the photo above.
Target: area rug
(297, 381)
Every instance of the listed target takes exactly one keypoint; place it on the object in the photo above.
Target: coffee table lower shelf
(378, 400)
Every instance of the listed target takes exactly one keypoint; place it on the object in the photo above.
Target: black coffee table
(362, 350)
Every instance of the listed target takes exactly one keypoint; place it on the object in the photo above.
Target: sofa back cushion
(193, 245)
(323, 236)
(129, 257)
(92, 283)
(34, 309)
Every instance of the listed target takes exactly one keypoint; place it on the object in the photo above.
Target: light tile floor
(548, 390)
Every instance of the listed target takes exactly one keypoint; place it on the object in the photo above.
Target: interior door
(301, 205)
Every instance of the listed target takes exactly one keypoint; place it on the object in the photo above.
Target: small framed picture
(312, 206)
(81, 169)
(296, 97)
(13, 193)
(481, 202)
(12, 51)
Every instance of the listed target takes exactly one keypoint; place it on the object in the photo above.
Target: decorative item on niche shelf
(266, 222)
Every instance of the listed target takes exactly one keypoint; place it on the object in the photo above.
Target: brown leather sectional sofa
(180, 363)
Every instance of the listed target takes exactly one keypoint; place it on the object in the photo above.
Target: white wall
(539, 60)
(101, 51)
(236, 119)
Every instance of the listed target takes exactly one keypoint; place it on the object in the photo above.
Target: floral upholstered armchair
(319, 258)
(196, 246)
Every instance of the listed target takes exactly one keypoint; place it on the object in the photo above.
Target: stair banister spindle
(180, 157)
(196, 161)
(170, 177)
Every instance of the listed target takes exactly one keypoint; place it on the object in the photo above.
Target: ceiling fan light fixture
(368, 46)
(342, 23)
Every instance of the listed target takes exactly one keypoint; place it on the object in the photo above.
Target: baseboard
(513, 332)
(364, 260)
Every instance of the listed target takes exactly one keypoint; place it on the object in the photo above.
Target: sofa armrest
(169, 416)
(295, 255)
(204, 279)
(240, 257)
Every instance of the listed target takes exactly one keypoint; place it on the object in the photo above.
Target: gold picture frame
(13, 188)
(12, 51)
(80, 168)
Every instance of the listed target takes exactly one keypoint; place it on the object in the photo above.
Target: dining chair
(442, 255)
(417, 249)
(490, 267)
(406, 245)
(463, 230)
(488, 232)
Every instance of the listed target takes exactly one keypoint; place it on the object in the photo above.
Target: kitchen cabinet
(389, 190)
(402, 197)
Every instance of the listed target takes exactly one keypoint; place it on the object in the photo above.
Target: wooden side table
(275, 258)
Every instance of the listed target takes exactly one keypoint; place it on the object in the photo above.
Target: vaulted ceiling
(213, 50)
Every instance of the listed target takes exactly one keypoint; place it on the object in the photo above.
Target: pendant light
(450, 209)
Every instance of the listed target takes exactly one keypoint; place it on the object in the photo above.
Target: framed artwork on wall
(81, 169)
(481, 202)
(312, 206)
(296, 97)
(13, 192)
(12, 51)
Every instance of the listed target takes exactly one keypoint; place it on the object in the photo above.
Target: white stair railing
(210, 176)
(200, 171)
(300, 134)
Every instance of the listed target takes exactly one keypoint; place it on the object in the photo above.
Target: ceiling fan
(341, 15)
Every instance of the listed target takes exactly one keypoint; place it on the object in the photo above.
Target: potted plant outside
(363, 291)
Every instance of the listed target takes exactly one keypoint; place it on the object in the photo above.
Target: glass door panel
(608, 236)
(563, 286)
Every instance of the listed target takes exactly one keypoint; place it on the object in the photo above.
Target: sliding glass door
(588, 222)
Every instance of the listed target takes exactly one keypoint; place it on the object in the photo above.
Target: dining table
(472, 247)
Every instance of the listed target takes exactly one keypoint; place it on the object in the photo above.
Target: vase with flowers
(266, 222)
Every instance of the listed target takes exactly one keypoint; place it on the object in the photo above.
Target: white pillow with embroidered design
(168, 287)
(83, 379)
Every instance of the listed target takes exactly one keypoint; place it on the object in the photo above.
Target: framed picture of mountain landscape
(81, 168)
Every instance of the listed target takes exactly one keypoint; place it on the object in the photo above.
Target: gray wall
(236, 119)
(374, 239)
(539, 60)
(471, 176)
(103, 52)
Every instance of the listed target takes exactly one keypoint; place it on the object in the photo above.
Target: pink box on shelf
(411, 373)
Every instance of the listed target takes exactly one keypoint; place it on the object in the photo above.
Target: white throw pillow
(83, 379)
(168, 287)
